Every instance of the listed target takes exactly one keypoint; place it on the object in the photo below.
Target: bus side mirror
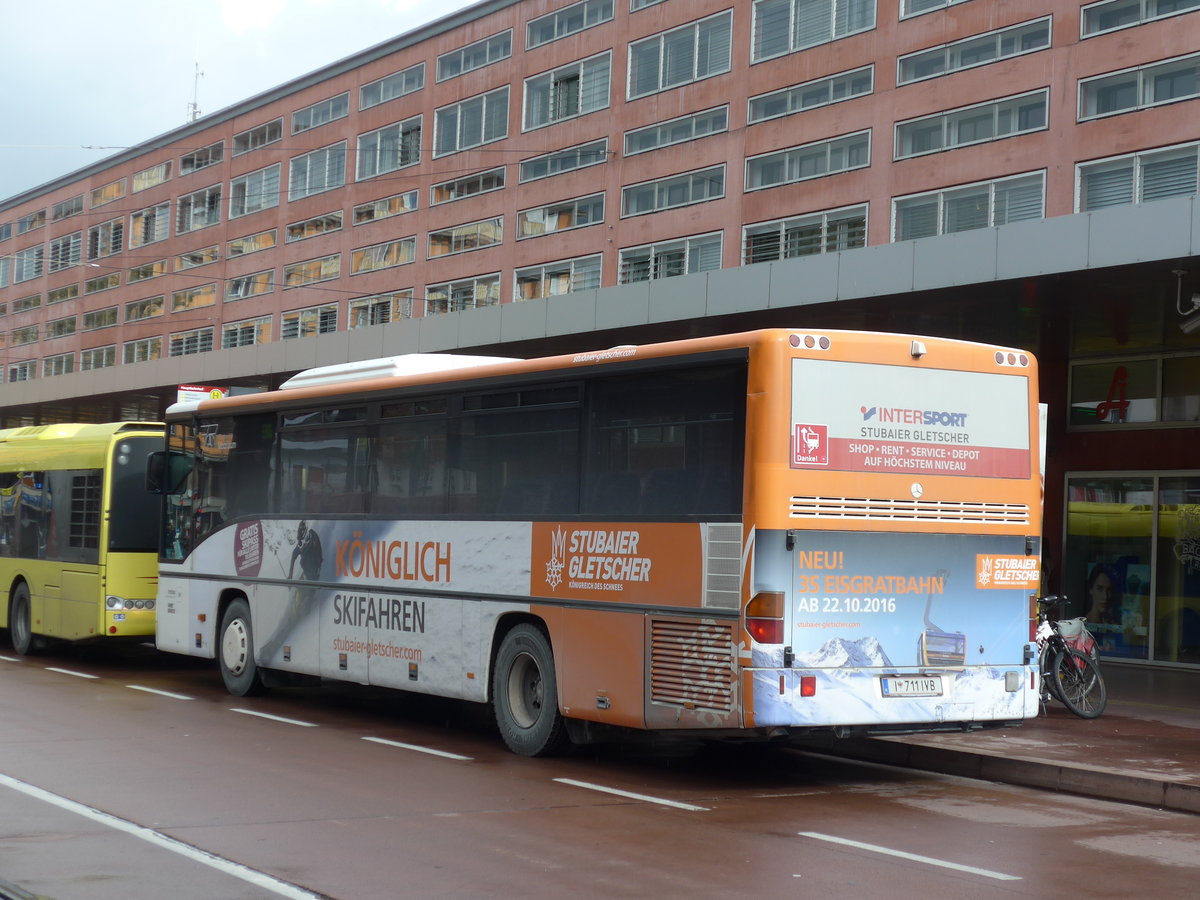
(166, 471)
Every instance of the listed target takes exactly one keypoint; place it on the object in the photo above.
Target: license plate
(911, 686)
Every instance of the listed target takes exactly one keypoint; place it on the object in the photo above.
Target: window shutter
(1106, 187)
(1173, 176)
(1017, 201)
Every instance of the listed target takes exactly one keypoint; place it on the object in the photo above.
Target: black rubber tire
(525, 694)
(1079, 683)
(235, 651)
(1049, 683)
(20, 620)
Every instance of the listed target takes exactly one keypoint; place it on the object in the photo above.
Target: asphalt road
(134, 775)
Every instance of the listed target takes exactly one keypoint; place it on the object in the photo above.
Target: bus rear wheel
(20, 620)
(525, 694)
(235, 650)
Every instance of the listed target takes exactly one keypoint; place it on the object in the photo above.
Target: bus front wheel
(525, 694)
(235, 649)
(20, 620)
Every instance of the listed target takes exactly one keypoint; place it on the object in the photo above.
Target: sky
(83, 81)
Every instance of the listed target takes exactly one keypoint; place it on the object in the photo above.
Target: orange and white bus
(753, 534)
(78, 532)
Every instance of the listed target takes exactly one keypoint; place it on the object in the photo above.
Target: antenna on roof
(194, 106)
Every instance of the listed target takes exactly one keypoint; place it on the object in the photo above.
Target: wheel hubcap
(235, 647)
(525, 691)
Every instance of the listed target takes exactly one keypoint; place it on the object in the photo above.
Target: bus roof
(79, 430)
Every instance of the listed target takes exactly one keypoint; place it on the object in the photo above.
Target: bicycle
(1068, 674)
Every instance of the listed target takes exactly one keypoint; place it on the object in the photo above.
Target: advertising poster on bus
(857, 417)
(896, 603)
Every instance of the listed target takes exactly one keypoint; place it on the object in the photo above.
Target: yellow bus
(749, 535)
(78, 532)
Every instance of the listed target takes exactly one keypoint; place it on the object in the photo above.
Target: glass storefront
(1132, 563)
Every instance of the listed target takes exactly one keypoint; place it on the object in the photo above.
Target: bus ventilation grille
(691, 664)
(911, 510)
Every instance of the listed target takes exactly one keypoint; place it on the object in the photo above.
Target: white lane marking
(69, 672)
(10, 658)
(150, 836)
(262, 715)
(928, 860)
(418, 748)
(632, 796)
(150, 690)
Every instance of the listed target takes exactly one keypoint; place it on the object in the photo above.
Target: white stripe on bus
(220, 863)
(928, 860)
(632, 796)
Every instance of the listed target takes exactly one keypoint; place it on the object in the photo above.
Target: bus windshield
(134, 511)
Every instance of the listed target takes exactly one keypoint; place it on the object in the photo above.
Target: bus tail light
(764, 617)
(808, 685)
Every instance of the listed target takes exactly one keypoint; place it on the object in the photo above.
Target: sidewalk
(1145, 748)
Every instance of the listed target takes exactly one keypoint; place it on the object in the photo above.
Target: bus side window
(9, 493)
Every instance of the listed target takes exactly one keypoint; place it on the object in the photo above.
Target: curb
(1087, 781)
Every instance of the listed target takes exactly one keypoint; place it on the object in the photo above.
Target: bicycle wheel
(1077, 682)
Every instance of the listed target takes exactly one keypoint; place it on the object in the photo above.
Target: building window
(982, 205)
(246, 333)
(669, 258)
(321, 113)
(916, 7)
(194, 258)
(254, 191)
(63, 364)
(149, 308)
(312, 271)
(389, 148)
(1138, 178)
(202, 158)
(308, 322)
(1109, 15)
(464, 238)
(98, 358)
(841, 154)
(680, 56)
(385, 208)
(978, 124)
(786, 26)
(114, 190)
(471, 123)
(147, 270)
(29, 263)
(381, 309)
(635, 5)
(151, 177)
(455, 296)
(1141, 88)
(974, 51)
(62, 294)
(678, 190)
(812, 94)
(299, 231)
(316, 172)
(569, 91)
(100, 318)
(392, 86)
(65, 252)
(24, 304)
(809, 235)
(198, 209)
(187, 343)
(106, 239)
(578, 157)
(474, 56)
(253, 243)
(19, 337)
(23, 371)
(57, 328)
(570, 20)
(553, 279)
(194, 298)
(677, 131)
(383, 256)
(150, 225)
(560, 216)
(141, 351)
(31, 222)
(67, 208)
(259, 136)
(461, 188)
(244, 286)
